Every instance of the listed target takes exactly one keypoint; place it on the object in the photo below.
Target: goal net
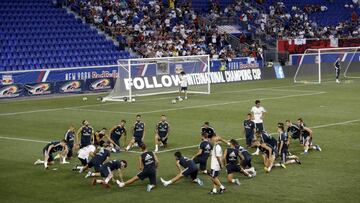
(317, 65)
(152, 76)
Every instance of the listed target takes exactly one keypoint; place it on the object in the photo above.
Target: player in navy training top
(148, 163)
(249, 130)
(203, 154)
(231, 159)
(207, 128)
(337, 69)
(86, 133)
(307, 137)
(268, 154)
(116, 133)
(106, 171)
(264, 137)
(293, 130)
(245, 160)
(49, 149)
(70, 139)
(190, 169)
(100, 157)
(162, 131)
(138, 133)
(283, 147)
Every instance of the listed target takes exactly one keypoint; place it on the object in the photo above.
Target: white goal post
(153, 76)
(317, 65)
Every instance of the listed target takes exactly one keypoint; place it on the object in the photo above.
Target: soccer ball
(133, 99)
(180, 99)
(173, 101)
(85, 98)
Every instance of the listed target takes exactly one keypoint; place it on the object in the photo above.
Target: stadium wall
(102, 78)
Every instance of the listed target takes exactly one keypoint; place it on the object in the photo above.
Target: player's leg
(185, 93)
(131, 143)
(173, 180)
(157, 141)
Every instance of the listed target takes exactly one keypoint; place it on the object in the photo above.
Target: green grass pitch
(332, 110)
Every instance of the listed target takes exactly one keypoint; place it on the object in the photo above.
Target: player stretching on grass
(106, 171)
(268, 154)
(116, 133)
(162, 131)
(86, 133)
(307, 136)
(48, 151)
(148, 163)
(202, 155)
(138, 133)
(190, 169)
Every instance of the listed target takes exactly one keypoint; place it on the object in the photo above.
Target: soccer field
(331, 110)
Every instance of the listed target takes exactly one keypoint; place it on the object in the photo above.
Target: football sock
(40, 162)
(222, 187)
(214, 190)
(291, 161)
(156, 147)
(107, 180)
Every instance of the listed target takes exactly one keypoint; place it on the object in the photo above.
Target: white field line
(186, 147)
(155, 99)
(197, 106)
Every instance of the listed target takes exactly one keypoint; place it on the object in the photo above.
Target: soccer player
(294, 129)
(101, 137)
(87, 134)
(216, 165)
(231, 158)
(100, 157)
(268, 154)
(116, 133)
(249, 130)
(162, 131)
(258, 113)
(106, 171)
(307, 136)
(207, 128)
(264, 137)
(49, 149)
(283, 148)
(245, 160)
(148, 163)
(337, 69)
(190, 169)
(138, 133)
(83, 155)
(70, 137)
(183, 85)
(202, 155)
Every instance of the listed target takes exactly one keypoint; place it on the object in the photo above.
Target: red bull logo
(9, 91)
(42, 88)
(72, 86)
(100, 84)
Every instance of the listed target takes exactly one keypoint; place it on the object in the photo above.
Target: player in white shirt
(183, 85)
(216, 165)
(258, 114)
(83, 156)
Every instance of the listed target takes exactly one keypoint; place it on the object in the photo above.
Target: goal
(317, 65)
(153, 76)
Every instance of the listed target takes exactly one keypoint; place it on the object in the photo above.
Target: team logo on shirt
(9, 91)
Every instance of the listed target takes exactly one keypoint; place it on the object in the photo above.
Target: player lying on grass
(245, 160)
(307, 137)
(138, 131)
(231, 159)
(116, 133)
(83, 155)
(268, 154)
(202, 155)
(190, 169)
(100, 157)
(216, 165)
(207, 128)
(148, 163)
(86, 134)
(49, 150)
(162, 131)
(283, 148)
(106, 171)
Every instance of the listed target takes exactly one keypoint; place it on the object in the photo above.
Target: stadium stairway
(36, 34)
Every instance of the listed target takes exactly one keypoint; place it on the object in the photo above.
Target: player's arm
(92, 135)
(168, 132)
(309, 131)
(143, 137)
(263, 113)
(281, 145)
(178, 166)
(224, 157)
(124, 137)
(141, 166)
(267, 148)
(78, 135)
(156, 161)
(121, 174)
(157, 129)
(241, 156)
(219, 159)
(198, 153)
